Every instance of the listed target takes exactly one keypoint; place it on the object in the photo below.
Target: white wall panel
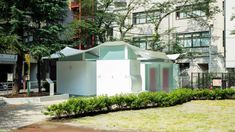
(116, 77)
(76, 77)
(230, 38)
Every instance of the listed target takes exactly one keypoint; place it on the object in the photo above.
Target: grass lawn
(205, 115)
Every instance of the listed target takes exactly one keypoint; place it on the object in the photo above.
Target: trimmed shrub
(78, 106)
(118, 101)
(129, 100)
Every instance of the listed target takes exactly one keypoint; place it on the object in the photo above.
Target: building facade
(229, 34)
(203, 46)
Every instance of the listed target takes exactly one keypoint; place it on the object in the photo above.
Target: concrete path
(15, 116)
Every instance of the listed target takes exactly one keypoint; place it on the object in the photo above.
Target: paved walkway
(15, 116)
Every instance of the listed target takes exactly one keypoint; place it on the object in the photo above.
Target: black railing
(205, 80)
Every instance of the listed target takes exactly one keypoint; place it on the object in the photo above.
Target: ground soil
(24, 94)
(56, 127)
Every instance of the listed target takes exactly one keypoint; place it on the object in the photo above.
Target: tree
(122, 16)
(46, 18)
(37, 24)
(104, 19)
(7, 42)
(96, 20)
(14, 20)
(168, 7)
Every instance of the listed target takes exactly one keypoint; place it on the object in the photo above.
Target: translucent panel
(166, 79)
(91, 56)
(72, 58)
(112, 53)
(152, 81)
(131, 54)
(159, 76)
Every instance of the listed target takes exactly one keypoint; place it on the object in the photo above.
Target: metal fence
(184, 81)
(6, 87)
(206, 80)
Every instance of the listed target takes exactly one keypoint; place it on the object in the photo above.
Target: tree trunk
(122, 36)
(101, 38)
(18, 76)
(39, 74)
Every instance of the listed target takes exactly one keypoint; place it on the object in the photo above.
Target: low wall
(33, 100)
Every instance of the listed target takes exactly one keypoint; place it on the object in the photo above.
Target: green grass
(218, 115)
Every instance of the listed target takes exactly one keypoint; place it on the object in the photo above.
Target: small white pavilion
(113, 68)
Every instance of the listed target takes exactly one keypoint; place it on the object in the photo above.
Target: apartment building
(205, 43)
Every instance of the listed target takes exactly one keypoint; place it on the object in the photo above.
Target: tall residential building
(205, 42)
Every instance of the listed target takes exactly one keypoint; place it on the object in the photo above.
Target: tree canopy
(31, 26)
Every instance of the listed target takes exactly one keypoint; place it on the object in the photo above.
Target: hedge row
(81, 106)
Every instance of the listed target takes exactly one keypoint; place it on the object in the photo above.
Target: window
(204, 66)
(190, 40)
(191, 11)
(184, 66)
(143, 42)
(120, 3)
(152, 16)
(145, 17)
